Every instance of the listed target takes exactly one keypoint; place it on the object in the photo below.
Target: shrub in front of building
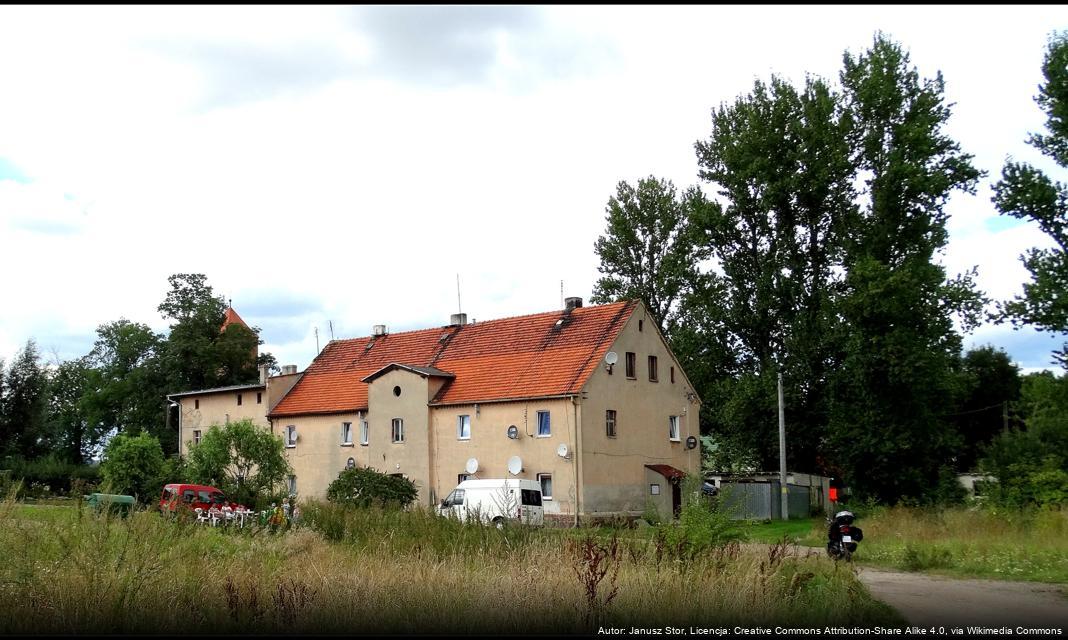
(366, 487)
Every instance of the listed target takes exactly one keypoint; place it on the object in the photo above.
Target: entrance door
(676, 497)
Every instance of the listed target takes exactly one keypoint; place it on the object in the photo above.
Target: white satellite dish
(611, 357)
(472, 465)
(562, 450)
(515, 465)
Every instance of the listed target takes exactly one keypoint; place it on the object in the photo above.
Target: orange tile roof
(229, 318)
(510, 358)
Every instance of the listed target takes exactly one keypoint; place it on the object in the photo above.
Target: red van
(192, 496)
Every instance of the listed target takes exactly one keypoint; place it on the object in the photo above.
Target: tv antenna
(459, 308)
(331, 330)
(316, 340)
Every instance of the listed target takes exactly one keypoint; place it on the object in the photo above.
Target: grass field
(984, 543)
(372, 571)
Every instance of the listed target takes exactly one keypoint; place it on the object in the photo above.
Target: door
(676, 498)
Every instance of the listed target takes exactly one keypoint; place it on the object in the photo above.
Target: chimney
(458, 319)
(572, 303)
(379, 330)
(263, 374)
(289, 369)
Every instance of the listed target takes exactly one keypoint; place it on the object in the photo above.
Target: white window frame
(346, 434)
(673, 429)
(365, 433)
(292, 485)
(196, 436)
(291, 436)
(546, 496)
(548, 422)
(397, 429)
(460, 424)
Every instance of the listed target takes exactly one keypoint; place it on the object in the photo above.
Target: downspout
(578, 458)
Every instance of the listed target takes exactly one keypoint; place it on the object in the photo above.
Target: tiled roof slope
(520, 357)
(231, 317)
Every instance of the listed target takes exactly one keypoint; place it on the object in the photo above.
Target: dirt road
(936, 601)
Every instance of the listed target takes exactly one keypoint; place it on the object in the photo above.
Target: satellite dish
(472, 465)
(562, 450)
(611, 357)
(515, 465)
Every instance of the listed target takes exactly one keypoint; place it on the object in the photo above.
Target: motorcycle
(843, 536)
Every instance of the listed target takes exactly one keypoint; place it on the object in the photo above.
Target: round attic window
(396, 391)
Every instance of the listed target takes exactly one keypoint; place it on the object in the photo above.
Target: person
(285, 508)
(296, 512)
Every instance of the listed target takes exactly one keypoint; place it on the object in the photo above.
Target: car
(193, 496)
(496, 501)
(709, 489)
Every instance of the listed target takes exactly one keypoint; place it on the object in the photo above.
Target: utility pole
(782, 454)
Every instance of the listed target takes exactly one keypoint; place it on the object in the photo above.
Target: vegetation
(245, 461)
(1027, 193)
(91, 574)
(133, 465)
(1014, 544)
(364, 487)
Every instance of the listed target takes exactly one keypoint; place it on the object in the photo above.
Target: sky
(345, 166)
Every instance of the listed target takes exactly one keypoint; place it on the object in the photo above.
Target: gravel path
(928, 601)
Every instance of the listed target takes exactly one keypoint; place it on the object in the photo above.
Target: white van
(496, 501)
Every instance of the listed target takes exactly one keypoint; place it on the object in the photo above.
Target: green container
(114, 503)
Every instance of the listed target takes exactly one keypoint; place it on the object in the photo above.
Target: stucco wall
(318, 456)
(613, 469)
(214, 409)
(411, 457)
(492, 447)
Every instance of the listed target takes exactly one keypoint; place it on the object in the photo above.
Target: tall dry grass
(390, 573)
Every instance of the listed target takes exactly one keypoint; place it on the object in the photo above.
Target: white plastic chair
(201, 516)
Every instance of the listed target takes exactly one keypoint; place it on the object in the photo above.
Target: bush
(243, 459)
(48, 476)
(133, 465)
(703, 524)
(366, 487)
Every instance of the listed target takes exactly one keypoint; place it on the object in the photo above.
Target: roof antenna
(561, 293)
(331, 330)
(459, 309)
(316, 340)
(230, 302)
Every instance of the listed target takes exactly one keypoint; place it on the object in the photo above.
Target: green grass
(1006, 545)
(793, 531)
(371, 571)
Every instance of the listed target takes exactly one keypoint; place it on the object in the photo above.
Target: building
(589, 401)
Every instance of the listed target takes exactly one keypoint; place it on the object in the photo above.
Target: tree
(246, 461)
(126, 384)
(364, 487)
(899, 347)
(75, 434)
(133, 465)
(991, 382)
(779, 159)
(1027, 193)
(647, 250)
(23, 425)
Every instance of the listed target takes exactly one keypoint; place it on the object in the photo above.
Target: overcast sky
(345, 164)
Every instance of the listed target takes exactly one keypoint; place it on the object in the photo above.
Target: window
(673, 428)
(398, 430)
(259, 397)
(610, 423)
(196, 437)
(292, 485)
(396, 391)
(652, 369)
(546, 480)
(672, 375)
(346, 434)
(188, 495)
(530, 497)
(461, 477)
(544, 429)
(196, 403)
(639, 326)
(291, 435)
(463, 428)
(239, 399)
(364, 433)
(631, 365)
(654, 489)
(456, 498)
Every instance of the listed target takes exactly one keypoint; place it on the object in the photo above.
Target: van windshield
(531, 497)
